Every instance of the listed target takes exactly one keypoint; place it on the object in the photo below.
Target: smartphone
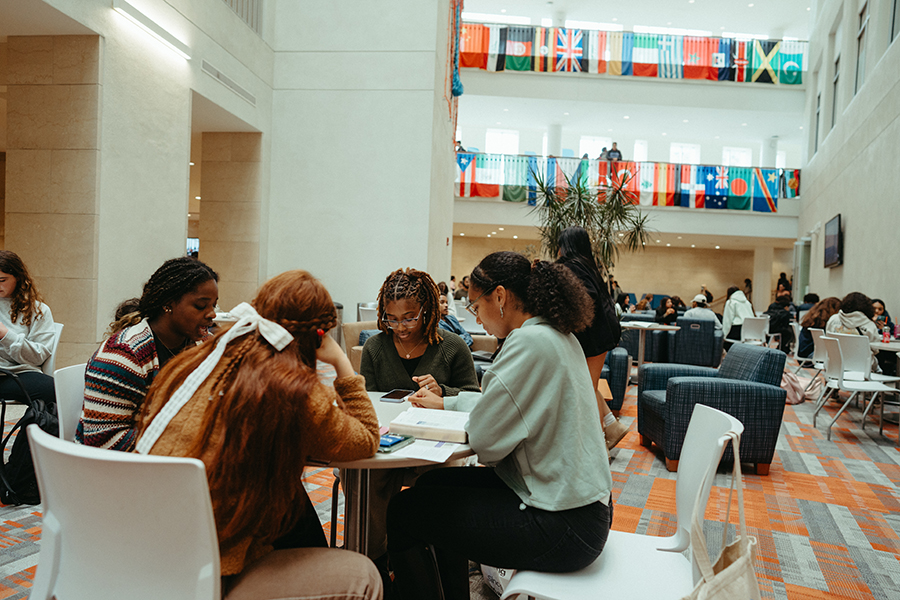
(394, 441)
(397, 396)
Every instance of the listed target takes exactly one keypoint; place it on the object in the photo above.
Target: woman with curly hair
(174, 312)
(544, 501)
(249, 405)
(26, 332)
(816, 318)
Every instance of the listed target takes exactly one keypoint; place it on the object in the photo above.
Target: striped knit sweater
(116, 380)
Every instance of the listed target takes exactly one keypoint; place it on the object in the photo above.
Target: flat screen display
(834, 243)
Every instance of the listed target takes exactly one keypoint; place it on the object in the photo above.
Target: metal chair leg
(334, 506)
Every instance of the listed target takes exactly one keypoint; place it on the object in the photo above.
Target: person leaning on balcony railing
(614, 153)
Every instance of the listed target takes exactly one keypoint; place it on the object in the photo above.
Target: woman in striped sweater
(174, 312)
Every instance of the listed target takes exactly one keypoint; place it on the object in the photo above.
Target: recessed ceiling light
(503, 10)
(500, 228)
(493, 233)
(565, 113)
(515, 237)
(667, 245)
(664, 134)
(615, 19)
(679, 237)
(189, 214)
(609, 129)
(626, 117)
(808, 8)
(801, 127)
(693, 246)
(690, 1)
(722, 28)
(717, 247)
(498, 122)
(643, 244)
(192, 164)
(750, 5)
(621, 234)
(505, 110)
(669, 23)
(717, 137)
(196, 197)
(684, 120)
(489, 235)
(657, 241)
(742, 124)
(462, 234)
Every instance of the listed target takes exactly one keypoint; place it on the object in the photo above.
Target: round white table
(356, 476)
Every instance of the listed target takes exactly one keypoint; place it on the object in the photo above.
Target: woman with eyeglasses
(544, 500)
(410, 353)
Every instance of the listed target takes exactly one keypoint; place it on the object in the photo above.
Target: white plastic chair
(801, 361)
(50, 364)
(69, 385)
(753, 331)
(857, 356)
(834, 380)
(368, 314)
(643, 566)
(122, 525)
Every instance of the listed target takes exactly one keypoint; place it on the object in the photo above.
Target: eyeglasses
(469, 306)
(407, 323)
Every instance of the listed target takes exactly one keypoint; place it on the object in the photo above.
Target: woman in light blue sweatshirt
(543, 502)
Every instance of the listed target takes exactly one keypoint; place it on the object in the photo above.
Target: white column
(554, 139)
(763, 258)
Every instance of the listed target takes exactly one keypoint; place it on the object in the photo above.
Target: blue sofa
(697, 342)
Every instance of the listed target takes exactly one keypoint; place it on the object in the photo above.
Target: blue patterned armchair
(746, 386)
(615, 371)
(697, 342)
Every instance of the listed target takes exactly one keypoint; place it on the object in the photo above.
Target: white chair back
(69, 385)
(754, 329)
(800, 315)
(122, 525)
(795, 327)
(50, 364)
(834, 361)
(856, 354)
(818, 349)
(368, 314)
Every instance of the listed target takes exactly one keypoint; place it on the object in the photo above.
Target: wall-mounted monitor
(834, 243)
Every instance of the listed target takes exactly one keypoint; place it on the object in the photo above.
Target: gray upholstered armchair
(746, 386)
(616, 371)
(697, 342)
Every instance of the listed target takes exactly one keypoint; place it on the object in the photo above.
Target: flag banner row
(623, 53)
(513, 177)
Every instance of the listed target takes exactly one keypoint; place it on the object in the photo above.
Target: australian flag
(716, 197)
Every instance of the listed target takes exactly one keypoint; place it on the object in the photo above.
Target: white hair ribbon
(248, 320)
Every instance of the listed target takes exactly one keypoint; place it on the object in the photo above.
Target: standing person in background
(604, 332)
(452, 284)
(174, 313)
(26, 332)
(614, 153)
(737, 308)
(784, 282)
(748, 288)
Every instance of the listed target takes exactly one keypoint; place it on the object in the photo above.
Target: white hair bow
(249, 319)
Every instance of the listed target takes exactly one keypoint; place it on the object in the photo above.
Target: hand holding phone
(396, 396)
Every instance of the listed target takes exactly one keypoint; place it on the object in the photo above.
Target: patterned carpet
(827, 517)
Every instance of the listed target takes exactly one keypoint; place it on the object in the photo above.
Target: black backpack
(18, 482)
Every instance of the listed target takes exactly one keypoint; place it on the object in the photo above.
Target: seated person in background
(642, 305)
(780, 321)
(462, 290)
(447, 295)
(26, 333)
(254, 412)
(816, 318)
(450, 323)
(537, 428)
(678, 304)
(808, 301)
(737, 308)
(174, 313)
(882, 317)
(623, 305)
(699, 310)
(855, 318)
(410, 353)
(666, 313)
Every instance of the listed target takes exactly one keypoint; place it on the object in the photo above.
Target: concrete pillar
(554, 139)
(52, 180)
(230, 205)
(763, 257)
(769, 152)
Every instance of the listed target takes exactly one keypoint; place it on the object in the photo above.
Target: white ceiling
(776, 18)
(35, 17)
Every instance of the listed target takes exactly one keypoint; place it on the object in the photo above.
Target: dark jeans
(469, 513)
(733, 334)
(37, 384)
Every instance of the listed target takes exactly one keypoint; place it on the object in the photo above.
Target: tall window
(684, 153)
(501, 141)
(640, 151)
(592, 146)
(818, 114)
(737, 157)
(834, 90)
(861, 48)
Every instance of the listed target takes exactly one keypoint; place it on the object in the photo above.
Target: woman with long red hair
(248, 403)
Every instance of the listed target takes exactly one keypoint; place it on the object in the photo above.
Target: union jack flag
(721, 178)
(569, 48)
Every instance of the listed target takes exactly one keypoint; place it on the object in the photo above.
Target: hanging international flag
(544, 48)
(665, 185)
(487, 175)
(646, 55)
(465, 173)
(790, 62)
(473, 45)
(536, 168)
(519, 41)
(739, 196)
(698, 186)
(764, 61)
(496, 47)
(671, 57)
(688, 173)
(647, 176)
(594, 60)
(697, 57)
(740, 61)
(620, 45)
(716, 192)
(569, 49)
(765, 190)
(791, 179)
(515, 170)
(721, 67)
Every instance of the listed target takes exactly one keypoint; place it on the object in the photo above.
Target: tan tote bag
(732, 576)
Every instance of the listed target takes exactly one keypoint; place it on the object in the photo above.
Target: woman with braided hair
(254, 412)
(410, 353)
(544, 501)
(174, 312)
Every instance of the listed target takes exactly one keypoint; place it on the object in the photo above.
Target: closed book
(431, 424)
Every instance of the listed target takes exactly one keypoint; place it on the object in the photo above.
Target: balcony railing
(623, 53)
(512, 178)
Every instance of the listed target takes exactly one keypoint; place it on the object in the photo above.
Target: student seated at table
(816, 318)
(174, 312)
(254, 412)
(26, 332)
(450, 323)
(700, 310)
(855, 318)
(544, 500)
(410, 353)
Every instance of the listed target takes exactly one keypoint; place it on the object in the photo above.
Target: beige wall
(53, 115)
(2, 195)
(230, 202)
(468, 252)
